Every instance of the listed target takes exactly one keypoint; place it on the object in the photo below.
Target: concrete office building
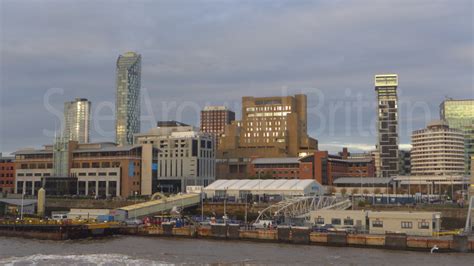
(459, 114)
(387, 123)
(77, 120)
(93, 169)
(127, 102)
(186, 157)
(214, 119)
(7, 174)
(437, 150)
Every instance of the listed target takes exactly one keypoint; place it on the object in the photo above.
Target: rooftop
(363, 180)
(288, 160)
(261, 184)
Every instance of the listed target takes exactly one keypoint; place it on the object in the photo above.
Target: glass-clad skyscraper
(127, 104)
(387, 124)
(77, 120)
(460, 115)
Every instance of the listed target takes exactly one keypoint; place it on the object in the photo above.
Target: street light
(135, 212)
(21, 212)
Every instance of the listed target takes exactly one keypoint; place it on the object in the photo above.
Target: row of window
(404, 224)
(97, 174)
(6, 182)
(7, 168)
(6, 175)
(336, 221)
(35, 174)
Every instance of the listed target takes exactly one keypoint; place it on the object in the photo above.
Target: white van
(59, 216)
(263, 224)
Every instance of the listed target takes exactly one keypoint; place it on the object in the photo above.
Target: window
(424, 225)
(407, 225)
(102, 174)
(335, 221)
(377, 223)
(320, 220)
(348, 221)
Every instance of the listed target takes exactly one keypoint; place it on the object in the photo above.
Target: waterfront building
(186, 158)
(380, 222)
(214, 119)
(459, 114)
(7, 174)
(437, 150)
(320, 166)
(77, 120)
(93, 169)
(264, 189)
(410, 223)
(387, 123)
(270, 127)
(341, 219)
(127, 102)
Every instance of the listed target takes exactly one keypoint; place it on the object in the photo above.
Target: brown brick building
(320, 166)
(271, 127)
(99, 169)
(7, 174)
(214, 119)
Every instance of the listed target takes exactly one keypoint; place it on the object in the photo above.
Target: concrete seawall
(305, 236)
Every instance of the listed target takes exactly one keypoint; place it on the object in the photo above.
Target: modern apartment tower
(77, 120)
(459, 114)
(127, 103)
(214, 119)
(387, 123)
(437, 150)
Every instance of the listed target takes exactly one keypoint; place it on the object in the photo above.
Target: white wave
(89, 259)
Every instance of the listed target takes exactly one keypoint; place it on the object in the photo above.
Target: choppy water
(129, 250)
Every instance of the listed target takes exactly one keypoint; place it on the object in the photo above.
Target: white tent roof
(264, 184)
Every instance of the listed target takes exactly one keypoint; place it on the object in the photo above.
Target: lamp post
(135, 212)
(21, 211)
(202, 206)
(225, 207)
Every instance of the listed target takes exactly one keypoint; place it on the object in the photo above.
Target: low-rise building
(7, 174)
(320, 166)
(410, 223)
(98, 169)
(267, 188)
(380, 222)
(340, 218)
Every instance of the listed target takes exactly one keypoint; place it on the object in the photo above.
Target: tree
(343, 191)
(354, 191)
(377, 191)
(333, 190)
(366, 191)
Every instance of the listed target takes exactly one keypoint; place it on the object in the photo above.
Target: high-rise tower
(460, 114)
(387, 123)
(77, 120)
(127, 103)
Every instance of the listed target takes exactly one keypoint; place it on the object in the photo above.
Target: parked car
(133, 222)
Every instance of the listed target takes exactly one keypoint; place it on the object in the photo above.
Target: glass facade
(127, 104)
(459, 114)
(77, 120)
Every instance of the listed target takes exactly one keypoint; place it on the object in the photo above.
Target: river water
(133, 250)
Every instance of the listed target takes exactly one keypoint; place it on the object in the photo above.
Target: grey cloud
(217, 51)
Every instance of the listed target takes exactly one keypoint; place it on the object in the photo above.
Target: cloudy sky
(214, 52)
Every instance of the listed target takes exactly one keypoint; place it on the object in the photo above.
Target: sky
(197, 53)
